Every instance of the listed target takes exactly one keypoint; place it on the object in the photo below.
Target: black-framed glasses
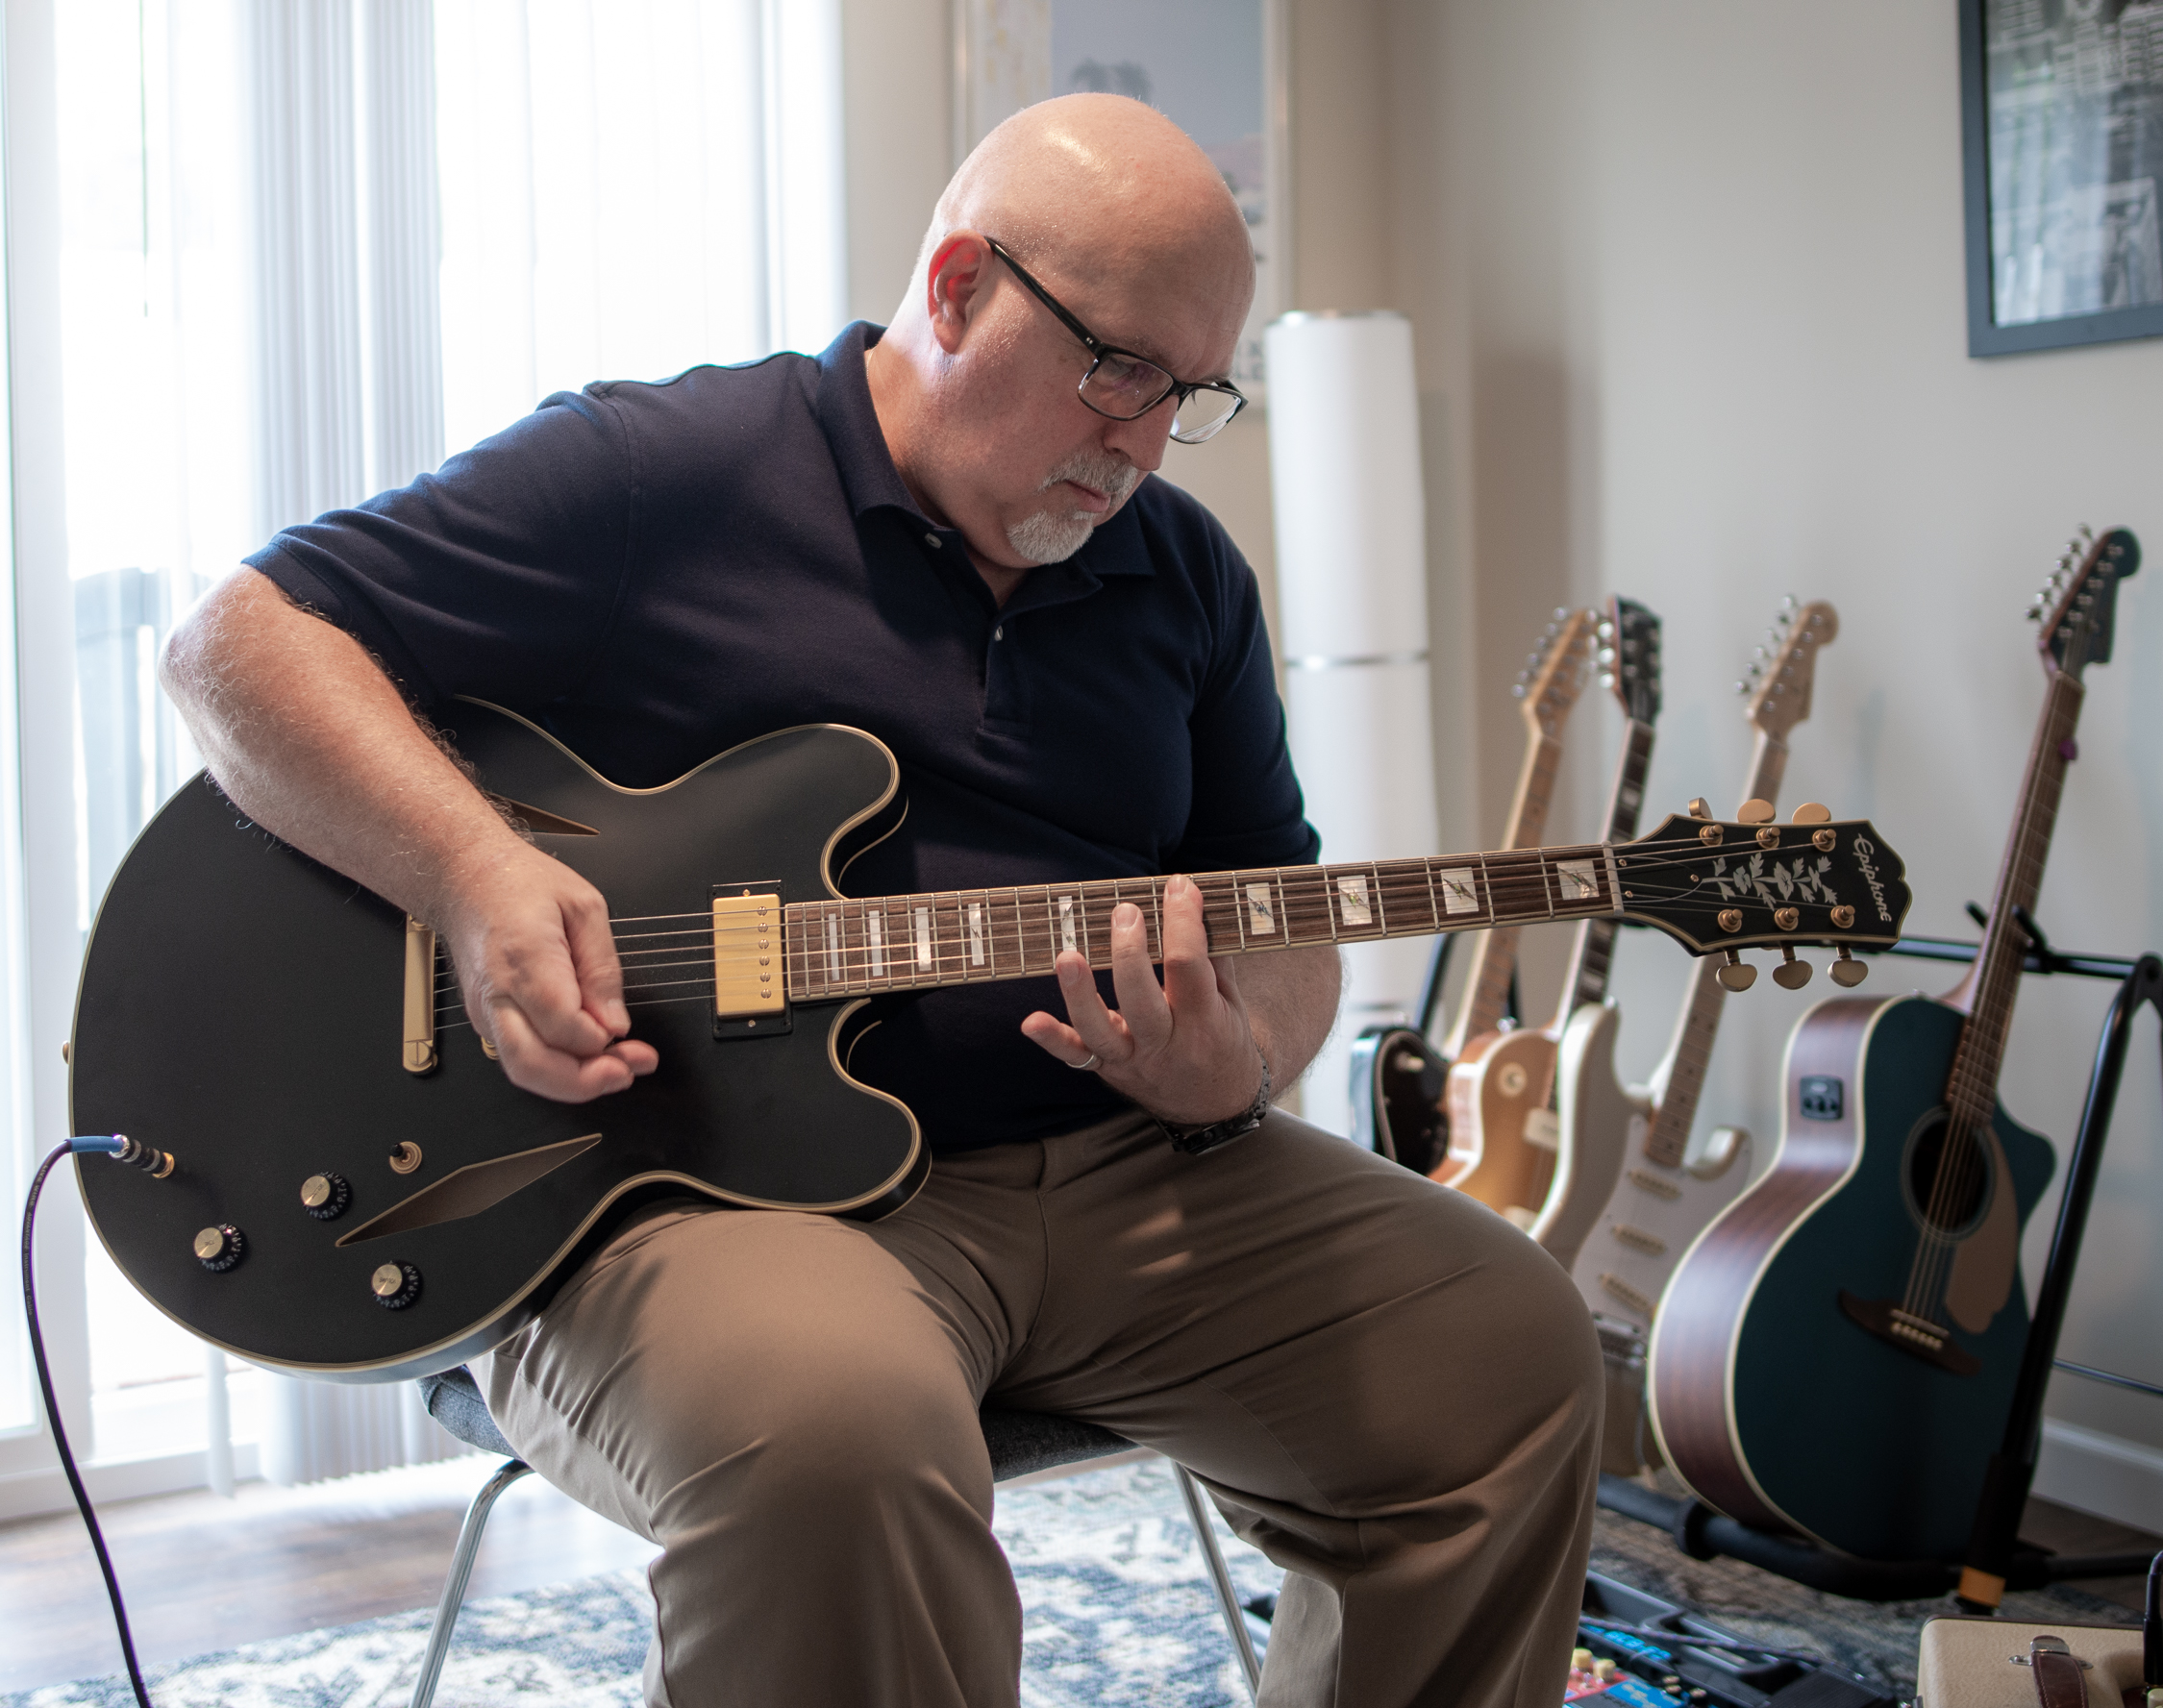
(1124, 386)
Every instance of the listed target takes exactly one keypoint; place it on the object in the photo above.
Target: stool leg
(1220, 1579)
(462, 1568)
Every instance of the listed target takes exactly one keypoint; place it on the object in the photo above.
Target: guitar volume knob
(325, 1196)
(395, 1285)
(218, 1248)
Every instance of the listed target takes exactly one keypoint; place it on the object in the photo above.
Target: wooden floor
(202, 1573)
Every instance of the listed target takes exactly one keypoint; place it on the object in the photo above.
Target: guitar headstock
(1629, 657)
(2077, 606)
(1554, 674)
(1719, 888)
(1784, 669)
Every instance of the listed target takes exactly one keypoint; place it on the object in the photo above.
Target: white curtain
(304, 248)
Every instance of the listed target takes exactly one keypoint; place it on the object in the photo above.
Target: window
(268, 259)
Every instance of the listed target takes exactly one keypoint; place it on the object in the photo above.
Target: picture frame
(1217, 69)
(2062, 111)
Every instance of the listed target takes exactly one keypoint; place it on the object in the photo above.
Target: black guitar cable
(154, 1162)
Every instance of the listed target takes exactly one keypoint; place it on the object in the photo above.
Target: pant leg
(1389, 1389)
(790, 1411)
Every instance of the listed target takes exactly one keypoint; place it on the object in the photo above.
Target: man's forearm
(309, 738)
(1291, 1002)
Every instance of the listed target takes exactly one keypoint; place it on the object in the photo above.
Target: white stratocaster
(1637, 1196)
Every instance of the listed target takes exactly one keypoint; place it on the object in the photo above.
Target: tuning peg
(1755, 811)
(1848, 972)
(1811, 812)
(1699, 807)
(1791, 973)
(1742, 687)
(2036, 612)
(1517, 690)
(1738, 974)
(2087, 535)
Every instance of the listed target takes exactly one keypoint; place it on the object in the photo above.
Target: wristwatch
(1193, 1141)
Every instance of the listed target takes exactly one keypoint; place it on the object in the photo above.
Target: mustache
(1112, 476)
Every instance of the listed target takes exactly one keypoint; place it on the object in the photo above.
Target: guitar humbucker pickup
(750, 969)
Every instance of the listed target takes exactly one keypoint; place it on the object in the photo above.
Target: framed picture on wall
(2062, 121)
(1214, 67)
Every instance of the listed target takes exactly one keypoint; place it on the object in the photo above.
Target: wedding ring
(1082, 1067)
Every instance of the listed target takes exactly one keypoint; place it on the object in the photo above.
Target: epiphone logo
(1864, 848)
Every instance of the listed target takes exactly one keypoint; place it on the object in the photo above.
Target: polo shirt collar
(871, 482)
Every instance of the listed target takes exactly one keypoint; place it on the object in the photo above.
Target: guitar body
(1397, 1078)
(1501, 1139)
(1771, 1400)
(1602, 1124)
(241, 1007)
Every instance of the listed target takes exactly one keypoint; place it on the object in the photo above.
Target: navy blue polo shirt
(654, 573)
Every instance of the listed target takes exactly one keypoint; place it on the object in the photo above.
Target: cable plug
(155, 1163)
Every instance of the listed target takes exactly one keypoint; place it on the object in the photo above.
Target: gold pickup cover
(420, 1047)
(746, 963)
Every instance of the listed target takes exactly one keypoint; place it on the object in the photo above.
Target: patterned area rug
(1116, 1610)
(1116, 1605)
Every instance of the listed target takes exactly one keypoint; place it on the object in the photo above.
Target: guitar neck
(837, 949)
(1991, 986)
(1486, 988)
(1680, 1078)
(1593, 953)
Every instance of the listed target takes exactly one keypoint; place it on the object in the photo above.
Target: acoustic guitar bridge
(750, 970)
(1917, 1336)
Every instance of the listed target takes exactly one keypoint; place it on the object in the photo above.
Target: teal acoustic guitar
(1836, 1353)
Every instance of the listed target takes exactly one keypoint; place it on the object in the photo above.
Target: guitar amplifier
(1993, 1663)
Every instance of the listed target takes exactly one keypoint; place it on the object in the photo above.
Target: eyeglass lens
(1124, 387)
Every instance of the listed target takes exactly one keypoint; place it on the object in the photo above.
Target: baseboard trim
(2103, 1475)
(32, 1494)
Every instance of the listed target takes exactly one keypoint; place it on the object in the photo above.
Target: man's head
(1117, 213)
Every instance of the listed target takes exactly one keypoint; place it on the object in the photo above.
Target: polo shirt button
(1000, 633)
(932, 540)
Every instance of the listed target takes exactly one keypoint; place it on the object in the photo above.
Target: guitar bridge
(1917, 1336)
(750, 968)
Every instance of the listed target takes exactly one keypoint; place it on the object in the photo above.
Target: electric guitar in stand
(1837, 1353)
(1396, 1074)
(343, 1184)
(1624, 1232)
(1505, 1131)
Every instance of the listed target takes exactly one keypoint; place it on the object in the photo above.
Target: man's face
(1025, 469)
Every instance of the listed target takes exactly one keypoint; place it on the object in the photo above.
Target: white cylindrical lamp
(1345, 473)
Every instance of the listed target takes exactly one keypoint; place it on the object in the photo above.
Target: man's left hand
(1185, 1051)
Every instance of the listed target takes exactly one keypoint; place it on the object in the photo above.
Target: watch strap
(1193, 1141)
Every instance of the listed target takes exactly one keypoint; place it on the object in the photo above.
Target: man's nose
(1141, 440)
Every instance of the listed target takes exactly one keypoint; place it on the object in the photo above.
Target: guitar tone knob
(395, 1285)
(218, 1248)
(326, 1195)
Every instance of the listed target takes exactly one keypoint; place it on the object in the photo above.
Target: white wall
(1690, 277)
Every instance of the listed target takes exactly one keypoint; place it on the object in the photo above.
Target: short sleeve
(498, 576)
(1247, 807)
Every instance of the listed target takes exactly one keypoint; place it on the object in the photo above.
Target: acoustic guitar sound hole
(1934, 1146)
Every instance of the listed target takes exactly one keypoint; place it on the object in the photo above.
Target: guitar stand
(1995, 1560)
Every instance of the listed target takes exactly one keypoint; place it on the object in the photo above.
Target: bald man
(944, 532)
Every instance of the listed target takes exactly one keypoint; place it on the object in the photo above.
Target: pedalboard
(1654, 1663)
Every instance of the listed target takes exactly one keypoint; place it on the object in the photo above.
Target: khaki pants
(1388, 1390)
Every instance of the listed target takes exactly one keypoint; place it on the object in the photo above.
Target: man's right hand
(538, 967)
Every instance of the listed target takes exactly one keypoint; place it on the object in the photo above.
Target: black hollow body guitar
(359, 1193)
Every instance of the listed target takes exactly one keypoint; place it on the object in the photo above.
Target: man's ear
(955, 285)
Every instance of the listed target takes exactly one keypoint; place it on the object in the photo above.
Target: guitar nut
(405, 1157)
(1731, 919)
(1787, 918)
